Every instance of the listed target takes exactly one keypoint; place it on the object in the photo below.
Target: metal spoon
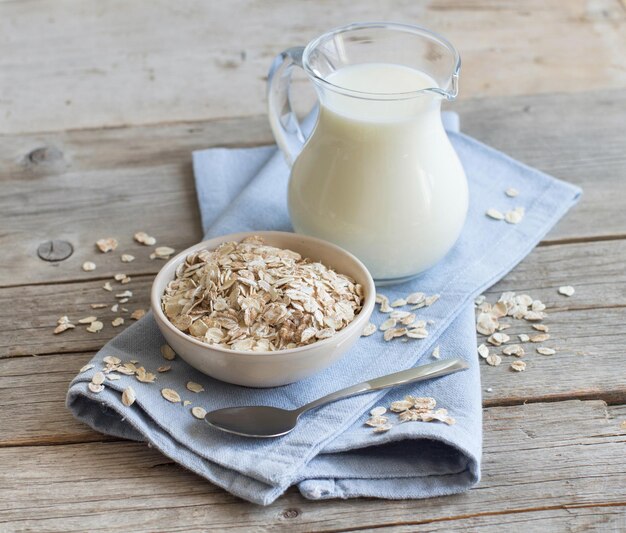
(264, 421)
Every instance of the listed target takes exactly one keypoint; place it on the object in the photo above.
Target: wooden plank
(537, 457)
(168, 63)
(603, 519)
(90, 184)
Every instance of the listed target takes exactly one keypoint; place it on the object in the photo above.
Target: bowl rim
(364, 314)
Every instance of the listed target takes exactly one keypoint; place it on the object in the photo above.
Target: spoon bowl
(254, 421)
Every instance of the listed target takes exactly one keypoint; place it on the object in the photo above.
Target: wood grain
(600, 519)
(114, 182)
(196, 62)
(537, 458)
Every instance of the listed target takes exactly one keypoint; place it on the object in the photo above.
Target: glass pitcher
(377, 175)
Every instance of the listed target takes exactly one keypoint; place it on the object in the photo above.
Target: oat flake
(89, 266)
(170, 395)
(567, 290)
(194, 387)
(128, 396)
(198, 412)
(518, 366)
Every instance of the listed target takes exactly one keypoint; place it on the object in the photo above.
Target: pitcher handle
(283, 120)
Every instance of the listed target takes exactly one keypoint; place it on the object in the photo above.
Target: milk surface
(378, 176)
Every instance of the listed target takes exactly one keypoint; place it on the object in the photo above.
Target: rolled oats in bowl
(250, 296)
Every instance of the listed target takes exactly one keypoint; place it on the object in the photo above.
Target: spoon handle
(412, 375)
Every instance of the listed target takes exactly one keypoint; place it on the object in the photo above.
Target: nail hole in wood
(55, 250)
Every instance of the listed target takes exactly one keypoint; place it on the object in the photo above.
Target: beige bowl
(268, 369)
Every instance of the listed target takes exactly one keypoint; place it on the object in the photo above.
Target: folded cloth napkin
(332, 454)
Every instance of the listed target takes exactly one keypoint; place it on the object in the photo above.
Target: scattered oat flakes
(401, 405)
(142, 375)
(523, 337)
(436, 352)
(198, 412)
(567, 290)
(164, 368)
(170, 395)
(417, 333)
(479, 300)
(486, 324)
(498, 338)
(113, 377)
(111, 360)
(376, 421)
(513, 349)
(117, 321)
(187, 402)
(93, 387)
(538, 305)
(106, 245)
(623, 425)
(483, 351)
(408, 319)
(143, 238)
(518, 366)
(107, 286)
(511, 192)
(88, 320)
(125, 294)
(368, 330)
(398, 303)
(194, 387)
(98, 378)
(541, 327)
(541, 337)
(167, 352)
(163, 252)
(89, 266)
(495, 214)
(388, 324)
(489, 389)
(533, 316)
(128, 396)
(392, 333)
(514, 216)
(415, 298)
(63, 324)
(88, 366)
(95, 326)
(543, 350)
(98, 306)
(119, 276)
(383, 428)
(123, 301)
(493, 360)
(137, 314)
(127, 258)
(378, 411)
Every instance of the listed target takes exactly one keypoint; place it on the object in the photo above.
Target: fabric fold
(332, 454)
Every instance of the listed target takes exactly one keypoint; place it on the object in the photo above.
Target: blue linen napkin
(332, 454)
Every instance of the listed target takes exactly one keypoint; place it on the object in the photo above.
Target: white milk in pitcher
(378, 176)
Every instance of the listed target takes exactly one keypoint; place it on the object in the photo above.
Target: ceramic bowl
(268, 369)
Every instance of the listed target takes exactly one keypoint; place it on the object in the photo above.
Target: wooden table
(101, 104)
